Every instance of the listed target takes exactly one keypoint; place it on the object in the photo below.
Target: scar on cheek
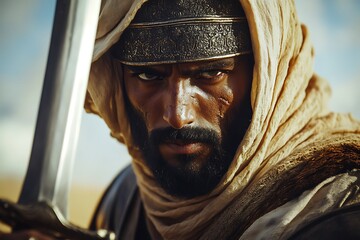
(223, 106)
(224, 101)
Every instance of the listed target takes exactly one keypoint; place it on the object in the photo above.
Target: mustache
(186, 134)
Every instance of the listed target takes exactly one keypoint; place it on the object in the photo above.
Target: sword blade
(57, 128)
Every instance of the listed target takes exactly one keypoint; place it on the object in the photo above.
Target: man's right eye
(149, 76)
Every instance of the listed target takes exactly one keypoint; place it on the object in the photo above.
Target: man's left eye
(210, 74)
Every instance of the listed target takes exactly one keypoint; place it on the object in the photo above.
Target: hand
(24, 235)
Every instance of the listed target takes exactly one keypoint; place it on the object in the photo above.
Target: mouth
(180, 147)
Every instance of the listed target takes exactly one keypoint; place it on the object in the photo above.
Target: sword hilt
(46, 218)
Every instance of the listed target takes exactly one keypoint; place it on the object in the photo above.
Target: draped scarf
(289, 118)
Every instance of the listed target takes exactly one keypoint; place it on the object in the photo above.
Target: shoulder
(343, 223)
(335, 199)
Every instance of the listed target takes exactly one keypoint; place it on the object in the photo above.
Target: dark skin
(210, 95)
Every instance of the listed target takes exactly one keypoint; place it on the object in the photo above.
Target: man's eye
(148, 76)
(210, 74)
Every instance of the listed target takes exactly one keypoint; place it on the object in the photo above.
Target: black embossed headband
(172, 31)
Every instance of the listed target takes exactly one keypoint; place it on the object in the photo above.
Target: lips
(181, 147)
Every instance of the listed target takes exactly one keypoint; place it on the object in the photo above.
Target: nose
(178, 104)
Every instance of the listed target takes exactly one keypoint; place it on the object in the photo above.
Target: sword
(42, 204)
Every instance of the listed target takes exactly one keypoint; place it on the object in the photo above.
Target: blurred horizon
(25, 28)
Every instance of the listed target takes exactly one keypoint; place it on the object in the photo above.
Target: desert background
(25, 28)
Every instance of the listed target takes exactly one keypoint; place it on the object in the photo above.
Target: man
(225, 120)
(226, 136)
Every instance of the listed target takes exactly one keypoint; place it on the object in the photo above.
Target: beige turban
(289, 117)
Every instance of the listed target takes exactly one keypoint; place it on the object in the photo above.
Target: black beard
(183, 181)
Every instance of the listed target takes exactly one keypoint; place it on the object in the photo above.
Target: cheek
(225, 101)
(232, 101)
(146, 102)
(214, 105)
(236, 108)
(136, 96)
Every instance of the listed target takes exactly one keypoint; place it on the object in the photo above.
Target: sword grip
(46, 218)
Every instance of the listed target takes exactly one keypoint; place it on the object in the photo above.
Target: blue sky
(25, 28)
(335, 31)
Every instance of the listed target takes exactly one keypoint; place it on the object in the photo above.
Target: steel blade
(58, 123)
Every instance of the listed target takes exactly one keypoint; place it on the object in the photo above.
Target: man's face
(189, 118)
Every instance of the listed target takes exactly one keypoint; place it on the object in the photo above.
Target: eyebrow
(146, 69)
(207, 66)
(213, 65)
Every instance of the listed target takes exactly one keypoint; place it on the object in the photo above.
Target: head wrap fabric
(208, 30)
(289, 115)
